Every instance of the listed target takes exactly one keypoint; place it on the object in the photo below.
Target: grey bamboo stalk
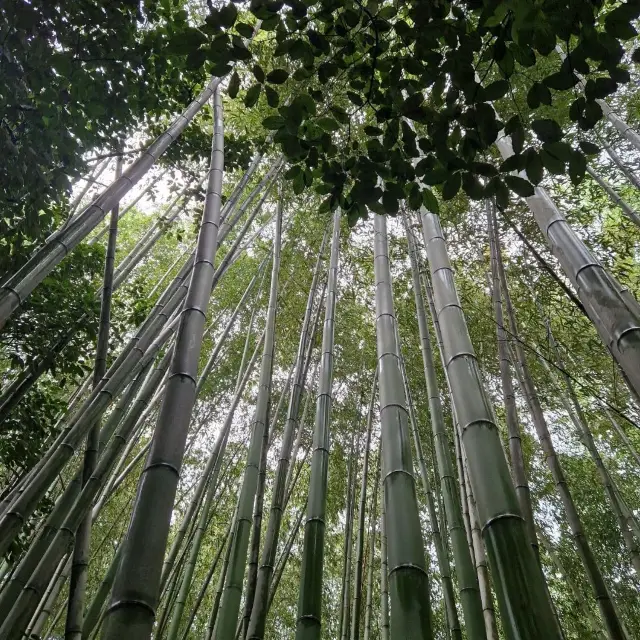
(123, 212)
(345, 611)
(17, 288)
(230, 604)
(527, 612)
(372, 552)
(614, 197)
(79, 565)
(136, 586)
(467, 580)
(384, 572)
(617, 160)
(174, 264)
(601, 594)
(90, 180)
(594, 623)
(612, 309)
(205, 514)
(624, 437)
(453, 622)
(310, 596)
(258, 613)
(482, 569)
(360, 539)
(213, 617)
(206, 582)
(626, 521)
(408, 579)
(513, 424)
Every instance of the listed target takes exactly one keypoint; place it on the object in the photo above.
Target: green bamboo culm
(131, 613)
(227, 621)
(465, 571)
(526, 611)
(407, 568)
(310, 599)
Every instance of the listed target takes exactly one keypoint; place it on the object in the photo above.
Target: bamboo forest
(319, 319)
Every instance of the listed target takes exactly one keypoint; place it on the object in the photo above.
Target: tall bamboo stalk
(600, 591)
(17, 288)
(614, 197)
(79, 565)
(345, 594)
(373, 519)
(467, 580)
(384, 571)
(408, 579)
(526, 611)
(257, 620)
(624, 437)
(310, 599)
(612, 309)
(136, 587)
(230, 604)
(360, 539)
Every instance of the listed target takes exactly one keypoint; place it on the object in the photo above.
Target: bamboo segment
(310, 599)
(135, 592)
(526, 611)
(408, 579)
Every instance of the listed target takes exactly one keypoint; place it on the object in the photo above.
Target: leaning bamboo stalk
(258, 613)
(79, 565)
(17, 288)
(467, 579)
(90, 180)
(408, 579)
(230, 604)
(617, 160)
(310, 594)
(600, 591)
(611, 308)
(519, 586)
(136, 587)
(614, 197)
(130, 206)
(368, 615)
(624, 437)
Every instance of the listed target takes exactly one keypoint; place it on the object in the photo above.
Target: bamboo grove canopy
(319, 319)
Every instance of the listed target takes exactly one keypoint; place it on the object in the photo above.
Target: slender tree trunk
(360, 539)
(17, 288)
(230, 605)
(384, 572)
(527, 613)
(614, 197)
(305, 344)
(310, 599)
(136, 588)
(80, 563)
(345, 594)
(467, 580)
(408, 579)
(600, 591)
(373, 519)
(623, 436)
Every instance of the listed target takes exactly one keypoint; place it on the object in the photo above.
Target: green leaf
(258, 73)
(328, 124)
(495, 90)
(577, 167)
(519, 185)
(253, 94)
(273, 99)
(534, 167)
(538, 94)
(547, 130)
(562, 80)
(273, 122)
(561, 150)
(228, 15)
(390, 203)
(472, 186)
(245, 30)
(551, 163)
(430, 201)
(277, 76)
(373, 131)
(451, 186)
(234, 85)
(589, 148)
